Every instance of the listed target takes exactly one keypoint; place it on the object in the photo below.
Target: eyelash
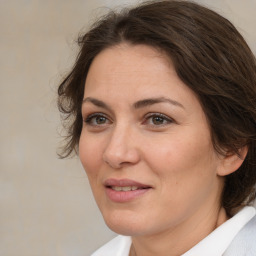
(90, 118)
(163, 117)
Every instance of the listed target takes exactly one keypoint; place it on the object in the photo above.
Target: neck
(178, 240)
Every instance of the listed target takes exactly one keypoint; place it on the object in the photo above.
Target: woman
(162, 111)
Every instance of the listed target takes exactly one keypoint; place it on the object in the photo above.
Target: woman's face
(145, 144)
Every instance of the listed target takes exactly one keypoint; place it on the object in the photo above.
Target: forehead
(125, 57)
(130, 73)
(128, 64)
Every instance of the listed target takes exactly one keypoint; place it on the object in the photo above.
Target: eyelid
(152, 114)
(89, 117)
(166, 118)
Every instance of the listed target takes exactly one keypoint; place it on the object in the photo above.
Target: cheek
(182, 156)
(90, 155)
(186, 172)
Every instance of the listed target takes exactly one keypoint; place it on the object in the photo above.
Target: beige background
(46, 204)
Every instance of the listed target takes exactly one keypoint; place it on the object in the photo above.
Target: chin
(125, 223)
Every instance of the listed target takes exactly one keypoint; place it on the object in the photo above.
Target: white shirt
(215, 244)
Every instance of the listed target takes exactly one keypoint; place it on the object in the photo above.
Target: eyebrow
(96, 102)
(152, 101)
(139, 104)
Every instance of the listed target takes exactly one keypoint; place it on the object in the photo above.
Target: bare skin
(164, 246)
(143, 125)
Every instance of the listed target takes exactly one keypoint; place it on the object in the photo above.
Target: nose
(122, 148)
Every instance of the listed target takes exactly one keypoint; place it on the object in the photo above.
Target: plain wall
(47, 207)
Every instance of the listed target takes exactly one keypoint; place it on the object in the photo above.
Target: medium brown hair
(209, 56)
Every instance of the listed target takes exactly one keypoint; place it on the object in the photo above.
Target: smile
(130, 188)
(121, 191)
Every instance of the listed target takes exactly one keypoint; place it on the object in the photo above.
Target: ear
(231, 162)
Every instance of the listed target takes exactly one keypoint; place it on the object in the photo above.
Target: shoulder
(244, 242)
(119, 246)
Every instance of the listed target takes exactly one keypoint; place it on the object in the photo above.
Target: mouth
(125, 185)
(128, 188)
(125, 190)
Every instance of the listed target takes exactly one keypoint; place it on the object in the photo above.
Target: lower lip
(125, 196)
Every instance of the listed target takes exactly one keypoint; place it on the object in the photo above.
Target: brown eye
(157, 120)
(100, 119)
(96, 120)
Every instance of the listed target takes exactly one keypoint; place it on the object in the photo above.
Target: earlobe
(231, 162)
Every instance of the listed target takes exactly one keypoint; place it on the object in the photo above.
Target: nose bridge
(121, 147)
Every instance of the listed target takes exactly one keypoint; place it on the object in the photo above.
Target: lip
(124, 183)
(125, 196)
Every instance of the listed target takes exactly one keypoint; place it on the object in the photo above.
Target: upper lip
(124, 183)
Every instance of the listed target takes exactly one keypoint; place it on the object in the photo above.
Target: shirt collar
(218, 241)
